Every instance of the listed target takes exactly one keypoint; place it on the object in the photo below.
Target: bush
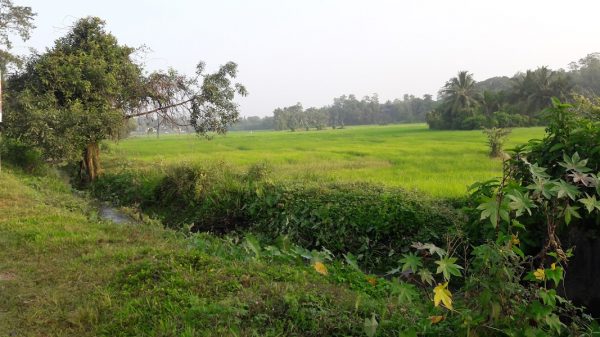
(374, 223)
(21, 155)
(474, 122)
(496, 139)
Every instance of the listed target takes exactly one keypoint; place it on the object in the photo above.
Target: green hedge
(372, 222)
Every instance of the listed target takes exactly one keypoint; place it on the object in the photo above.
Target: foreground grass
(441, 163)
(64, 273)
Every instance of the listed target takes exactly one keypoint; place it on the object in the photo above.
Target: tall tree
(535, 89)
(14, 20)
(83, 89)
(460, 93)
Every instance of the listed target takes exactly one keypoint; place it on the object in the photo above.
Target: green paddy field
(440, 163)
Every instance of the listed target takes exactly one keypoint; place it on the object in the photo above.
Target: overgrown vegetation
(65, 101)
(373, 223)
(509, 102)
(64, 272)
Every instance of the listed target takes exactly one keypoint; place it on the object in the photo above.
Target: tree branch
(137, 114)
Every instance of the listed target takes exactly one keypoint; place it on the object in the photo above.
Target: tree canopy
(84, 88)
(14, 20)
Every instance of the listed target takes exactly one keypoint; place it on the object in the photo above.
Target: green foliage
(499, 291)
(14, 20)
(496, 139)
(21, 155)
(406, 156)
(70, 98)
(508, 103)
(368, 221)
(95, 278)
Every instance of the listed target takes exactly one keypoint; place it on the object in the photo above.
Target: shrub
(21, 155)
(496, 138)
(474, 122)
(374, 223)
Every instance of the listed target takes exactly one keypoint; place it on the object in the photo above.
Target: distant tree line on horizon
(462, 103)
(512, 102)
(345, 110)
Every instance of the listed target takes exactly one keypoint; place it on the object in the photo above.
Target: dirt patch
(7, 276)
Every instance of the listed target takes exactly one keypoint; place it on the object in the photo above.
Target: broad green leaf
(548, 296)
(517, 224)
(351, 261)
(571, 211)
(430, 247)
(370, 326)
(519, 202)
(564, 189)
(251, 243)
(590, 203)
(518, 251)
(426, 276)
(448, 267)
(553, 321)
(542, 187)
(574, 163)
(555, 274)
(405, 292)
(538, 172)
(556, 147)
(411, 262)
(491, 209)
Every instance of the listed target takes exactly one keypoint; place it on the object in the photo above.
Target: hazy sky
(310, 51)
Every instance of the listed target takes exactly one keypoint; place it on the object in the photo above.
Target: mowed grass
(440, 163)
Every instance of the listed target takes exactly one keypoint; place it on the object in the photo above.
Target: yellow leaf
(539, 274)
(515, 240)
(553, 266)
(443, 295)
(436, 319)
(372, 280)
(320, 268)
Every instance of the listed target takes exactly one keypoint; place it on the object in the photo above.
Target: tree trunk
(91, 161)
(158, 126)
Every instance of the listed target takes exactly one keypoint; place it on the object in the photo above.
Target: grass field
(64, 272)
(441, 163)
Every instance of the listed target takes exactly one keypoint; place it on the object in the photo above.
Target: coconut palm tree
(460, 100)
(460, 94)
(534, 89)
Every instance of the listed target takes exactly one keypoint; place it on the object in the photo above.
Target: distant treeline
(345, 110)
(462, 103)
(515, 101)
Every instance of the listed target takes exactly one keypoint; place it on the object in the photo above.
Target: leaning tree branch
(144, 113)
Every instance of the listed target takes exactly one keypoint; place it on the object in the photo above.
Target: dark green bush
(126, 188)
(372, 222)
(21, 155)
(369, 221)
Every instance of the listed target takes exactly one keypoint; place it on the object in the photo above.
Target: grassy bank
(63, 272)
(440, 163)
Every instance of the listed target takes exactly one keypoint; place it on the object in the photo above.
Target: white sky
(310, 51)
